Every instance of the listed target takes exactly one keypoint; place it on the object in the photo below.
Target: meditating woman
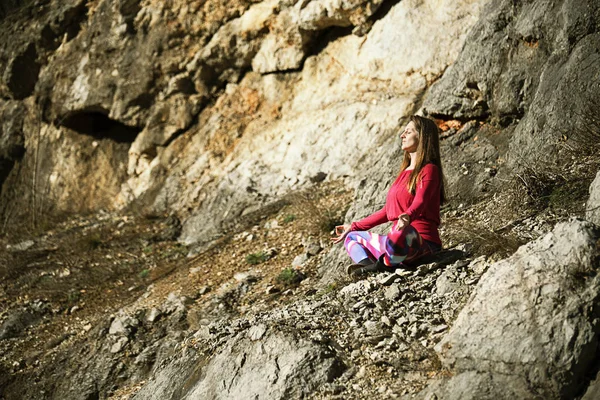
(412, 203)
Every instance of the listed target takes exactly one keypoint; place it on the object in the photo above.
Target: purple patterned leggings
(396, 247)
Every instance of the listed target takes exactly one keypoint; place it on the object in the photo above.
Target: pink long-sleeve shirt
(423, 207)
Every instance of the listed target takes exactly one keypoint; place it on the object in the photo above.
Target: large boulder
(254, 364)
(532, 323)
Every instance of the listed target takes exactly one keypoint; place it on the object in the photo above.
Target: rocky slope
(224, 115)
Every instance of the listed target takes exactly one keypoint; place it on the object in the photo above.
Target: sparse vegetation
(483, 240)
(290, 277)
(312, 207)
(289, 218)
(257, 258)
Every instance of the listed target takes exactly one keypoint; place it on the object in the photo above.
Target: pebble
(118, 346)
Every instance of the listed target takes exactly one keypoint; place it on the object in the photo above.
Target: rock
(147, 356)
(17, 322)
(531, 316)
(593, 390)
(203, 290)
(123, 325)
(257, 332)
(272, 289)
(22, 246)
(12, 141)
(276, 366)
(300, 260)
(592, 208)
(392, 293)
(472, 385)
(357, 289)
(313, 249)
(388, 279)
(175, 303)
(526, 94)
(245, 277)
(479, 265)
(153, 315)
(119, 344)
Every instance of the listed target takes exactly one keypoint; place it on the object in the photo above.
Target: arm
(377, 218)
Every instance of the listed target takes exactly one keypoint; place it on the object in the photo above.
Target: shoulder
(430, 170)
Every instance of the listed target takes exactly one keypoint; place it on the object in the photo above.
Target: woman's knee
(404, 237)
(350, 237)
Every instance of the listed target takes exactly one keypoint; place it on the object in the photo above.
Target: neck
(413, 161)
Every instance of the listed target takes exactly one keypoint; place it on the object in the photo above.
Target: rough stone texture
(593, 391)
(592, 209)
(319, 113)
(53, 163)
(275, 366)
(12, 142)
(31, 44)
(173, 83)
(473, 385)
(533, 316)
(530, 65)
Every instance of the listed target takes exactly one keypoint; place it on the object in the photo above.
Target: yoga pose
(412, 203)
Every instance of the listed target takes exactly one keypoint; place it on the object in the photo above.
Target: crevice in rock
(68, 23)
(129, 9)
(482, 117)
(326, 36)
(99, 125)
(6, 166)
(194, 121)
(24, 72)
(383, 10)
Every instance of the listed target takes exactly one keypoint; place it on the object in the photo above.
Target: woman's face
(410, 138)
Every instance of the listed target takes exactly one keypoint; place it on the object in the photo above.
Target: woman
(412, 203)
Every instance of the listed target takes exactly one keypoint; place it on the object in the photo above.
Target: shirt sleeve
(377, 218)
(427, 186)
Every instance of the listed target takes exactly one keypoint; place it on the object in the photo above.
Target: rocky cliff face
(215, 112)
(221, 108)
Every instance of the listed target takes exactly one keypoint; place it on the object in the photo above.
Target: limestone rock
(279, 366)
(123, 325)
(473, 385)
(532, 316)
(327, 96)
(541, 89)
(592, 209)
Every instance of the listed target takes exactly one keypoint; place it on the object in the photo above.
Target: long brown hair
(428, 152)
